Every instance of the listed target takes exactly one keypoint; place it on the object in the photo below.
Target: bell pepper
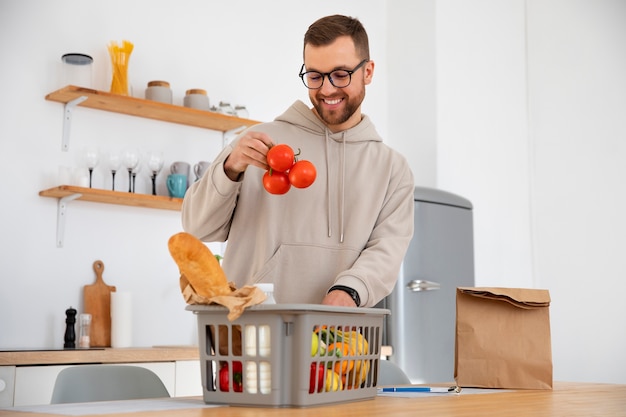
(342, 350)
(224, 377)
(318, 373)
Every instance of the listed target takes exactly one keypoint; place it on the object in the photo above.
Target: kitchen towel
(121, 320)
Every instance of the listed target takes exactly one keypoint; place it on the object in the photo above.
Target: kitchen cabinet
(73, 96)
(27, 378)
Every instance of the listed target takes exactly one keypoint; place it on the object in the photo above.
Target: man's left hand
(338, 298)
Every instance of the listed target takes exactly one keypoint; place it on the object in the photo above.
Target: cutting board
(97, 302)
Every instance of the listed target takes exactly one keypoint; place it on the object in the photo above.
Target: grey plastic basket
(277, 371)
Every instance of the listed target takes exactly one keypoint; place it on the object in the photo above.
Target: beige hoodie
(351, 227)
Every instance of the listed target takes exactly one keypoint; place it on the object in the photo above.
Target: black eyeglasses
(338, 78)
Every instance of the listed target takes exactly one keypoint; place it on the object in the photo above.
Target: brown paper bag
(503, 338)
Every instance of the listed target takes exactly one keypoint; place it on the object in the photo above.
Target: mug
(177, 185)
(200, 168)
(180, 167)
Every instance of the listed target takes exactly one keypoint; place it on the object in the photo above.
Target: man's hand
(251, 149)
(338, 298)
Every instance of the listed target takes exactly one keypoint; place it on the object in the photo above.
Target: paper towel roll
(121, 319)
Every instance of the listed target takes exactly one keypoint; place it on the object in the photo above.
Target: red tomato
(224, 380)
(280, 157)
(302, 174)
(276, 182)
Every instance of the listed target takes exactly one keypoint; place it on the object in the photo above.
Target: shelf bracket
(62, 214)
(67, 121)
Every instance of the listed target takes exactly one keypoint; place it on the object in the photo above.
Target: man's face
(339, 108)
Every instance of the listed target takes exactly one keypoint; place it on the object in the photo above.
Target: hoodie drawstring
(328, 219)
(343, 183)
(343, 186)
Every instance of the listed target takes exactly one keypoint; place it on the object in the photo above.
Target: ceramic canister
(159, 91)
(196, 98)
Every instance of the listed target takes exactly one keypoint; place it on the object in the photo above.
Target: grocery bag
(503, 338)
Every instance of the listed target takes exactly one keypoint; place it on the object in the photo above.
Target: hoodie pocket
(302, 274)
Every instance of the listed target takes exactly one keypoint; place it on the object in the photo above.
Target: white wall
(517, 106)
(531, 98)
(577, 84)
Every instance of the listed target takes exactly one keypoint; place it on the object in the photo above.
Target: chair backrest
(85, 383)
(391, 374)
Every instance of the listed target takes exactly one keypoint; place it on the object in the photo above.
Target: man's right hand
(250, 149)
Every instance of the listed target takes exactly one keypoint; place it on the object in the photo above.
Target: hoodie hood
(301, 115)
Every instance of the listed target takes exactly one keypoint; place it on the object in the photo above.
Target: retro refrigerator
(440, 258)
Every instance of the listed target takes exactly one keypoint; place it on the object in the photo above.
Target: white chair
(86, 383)
(391, 374)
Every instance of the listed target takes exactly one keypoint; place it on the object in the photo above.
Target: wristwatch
(350, 291)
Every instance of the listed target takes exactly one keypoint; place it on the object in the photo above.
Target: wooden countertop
(567, 399)
(106, 355)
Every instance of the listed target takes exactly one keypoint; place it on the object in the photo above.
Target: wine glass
(114, 161)
(155, 163)
(91, 156)
(130, 159)
(135, 171)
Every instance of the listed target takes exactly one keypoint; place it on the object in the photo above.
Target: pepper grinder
(70, 333)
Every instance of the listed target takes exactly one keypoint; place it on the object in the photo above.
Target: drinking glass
(130, 159)
(114, 161)
(155, 163)
(135, 171)
(90, 157)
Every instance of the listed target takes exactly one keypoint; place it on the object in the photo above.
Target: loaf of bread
(198, 264)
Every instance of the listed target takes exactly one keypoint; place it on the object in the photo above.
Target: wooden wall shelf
(66, 193)
(149, 109)
(114, 197)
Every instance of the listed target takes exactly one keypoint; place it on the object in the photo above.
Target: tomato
(302, 174)
(280, 157)
(318, 376)
(276, 182)
(224, 377)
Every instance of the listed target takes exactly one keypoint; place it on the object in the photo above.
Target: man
(340, 241)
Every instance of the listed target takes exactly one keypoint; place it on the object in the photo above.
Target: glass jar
(77, 70)
(226, 108)
(241, 111)
(84, 321)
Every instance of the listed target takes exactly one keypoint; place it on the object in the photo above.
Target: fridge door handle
(422, 285)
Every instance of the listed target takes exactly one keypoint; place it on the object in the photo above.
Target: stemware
(91, 157)
(135, 171)
(114, 161)
(155, 163)
(130, 159)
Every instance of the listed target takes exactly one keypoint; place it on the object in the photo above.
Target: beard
(340, 116)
